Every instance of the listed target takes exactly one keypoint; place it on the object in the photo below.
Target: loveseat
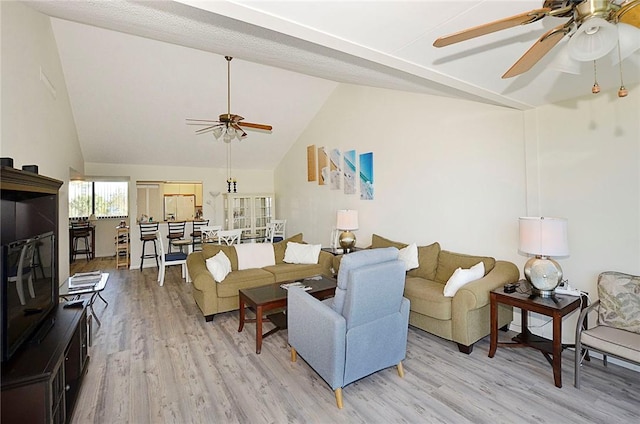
(463, 318)
(214, 297)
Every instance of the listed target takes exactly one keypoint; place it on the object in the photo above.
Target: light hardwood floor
(155, 360)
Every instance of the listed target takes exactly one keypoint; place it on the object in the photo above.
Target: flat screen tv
(29, 292)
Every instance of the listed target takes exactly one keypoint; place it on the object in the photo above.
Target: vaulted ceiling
(135, 70)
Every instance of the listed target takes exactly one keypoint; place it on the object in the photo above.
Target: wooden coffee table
(267, 298)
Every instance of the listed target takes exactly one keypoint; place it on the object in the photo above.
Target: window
(105, 199)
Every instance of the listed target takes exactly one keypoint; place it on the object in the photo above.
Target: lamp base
(347, 241)
(544, 274)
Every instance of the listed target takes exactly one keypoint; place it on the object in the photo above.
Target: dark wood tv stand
(41, 383)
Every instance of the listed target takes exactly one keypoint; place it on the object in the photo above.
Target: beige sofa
(213, 297)
(463, 318)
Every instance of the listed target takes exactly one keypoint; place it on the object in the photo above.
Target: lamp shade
(543, 236)
(347, 220)
(593, 40)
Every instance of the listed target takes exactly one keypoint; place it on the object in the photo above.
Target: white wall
(213, 180)
(445, 170)
(583, 164)
(37, 128)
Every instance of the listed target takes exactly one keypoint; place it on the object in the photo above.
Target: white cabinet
(249, 212)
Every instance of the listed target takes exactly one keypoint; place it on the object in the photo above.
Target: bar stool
(176, 232)
(148, 233)
(80, 231)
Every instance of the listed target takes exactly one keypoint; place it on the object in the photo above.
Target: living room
(454, 171)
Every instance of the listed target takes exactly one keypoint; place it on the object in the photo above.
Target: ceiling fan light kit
(594, 28)
(594, 39)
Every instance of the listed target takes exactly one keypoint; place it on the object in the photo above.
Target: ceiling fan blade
(201, 121)
(239, 131)
(541, 47)
(512, 21)
(207, 129)
(629, 14)
(256, 126)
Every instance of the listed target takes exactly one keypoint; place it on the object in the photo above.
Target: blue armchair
(362, 330)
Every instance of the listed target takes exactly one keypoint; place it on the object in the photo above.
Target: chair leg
(604, 359)
(400, 370)
(338, 393)
(577, 362)
(294, 355)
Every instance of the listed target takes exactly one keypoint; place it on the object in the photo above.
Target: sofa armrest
(318, 333)
(476, 294)
(325, 259)
(201, 278)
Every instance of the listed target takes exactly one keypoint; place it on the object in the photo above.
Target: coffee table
(75, 293)
(267, 298)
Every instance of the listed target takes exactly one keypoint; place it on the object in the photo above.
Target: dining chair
(229, 237)
(210, 233)
(169, 259)
(279, 226)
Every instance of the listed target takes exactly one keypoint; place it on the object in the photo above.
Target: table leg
(557, 350)
(258, 329)
(241, 313)
(494, 327)
(93, 312)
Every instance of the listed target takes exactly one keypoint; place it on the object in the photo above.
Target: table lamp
(543, 237)
(347, 221)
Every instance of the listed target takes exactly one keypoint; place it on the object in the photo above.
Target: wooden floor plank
(155, 360)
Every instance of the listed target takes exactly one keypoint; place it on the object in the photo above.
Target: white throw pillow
(409, 255)
(298, 253)
(219, 266)
(460, 277)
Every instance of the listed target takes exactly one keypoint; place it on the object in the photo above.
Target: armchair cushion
(619, 295)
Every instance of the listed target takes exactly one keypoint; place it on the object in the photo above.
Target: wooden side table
(556, 307)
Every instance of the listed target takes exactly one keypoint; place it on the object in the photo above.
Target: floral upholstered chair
(617, 332)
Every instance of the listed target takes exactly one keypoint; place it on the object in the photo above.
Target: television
(29, 290)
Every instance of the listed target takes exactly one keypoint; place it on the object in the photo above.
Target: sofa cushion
(280, 247)
(378, 242)
(428, 260)
(210, 249)
(426, 298)
(219, 266)
(448, 262)
(244, 279)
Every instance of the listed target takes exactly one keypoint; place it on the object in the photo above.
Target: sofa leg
(338, 393)
(209, 318)
(505, 328)
(465, 349)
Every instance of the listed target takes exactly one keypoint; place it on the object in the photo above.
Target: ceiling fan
(585, 18)
(228, 126)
